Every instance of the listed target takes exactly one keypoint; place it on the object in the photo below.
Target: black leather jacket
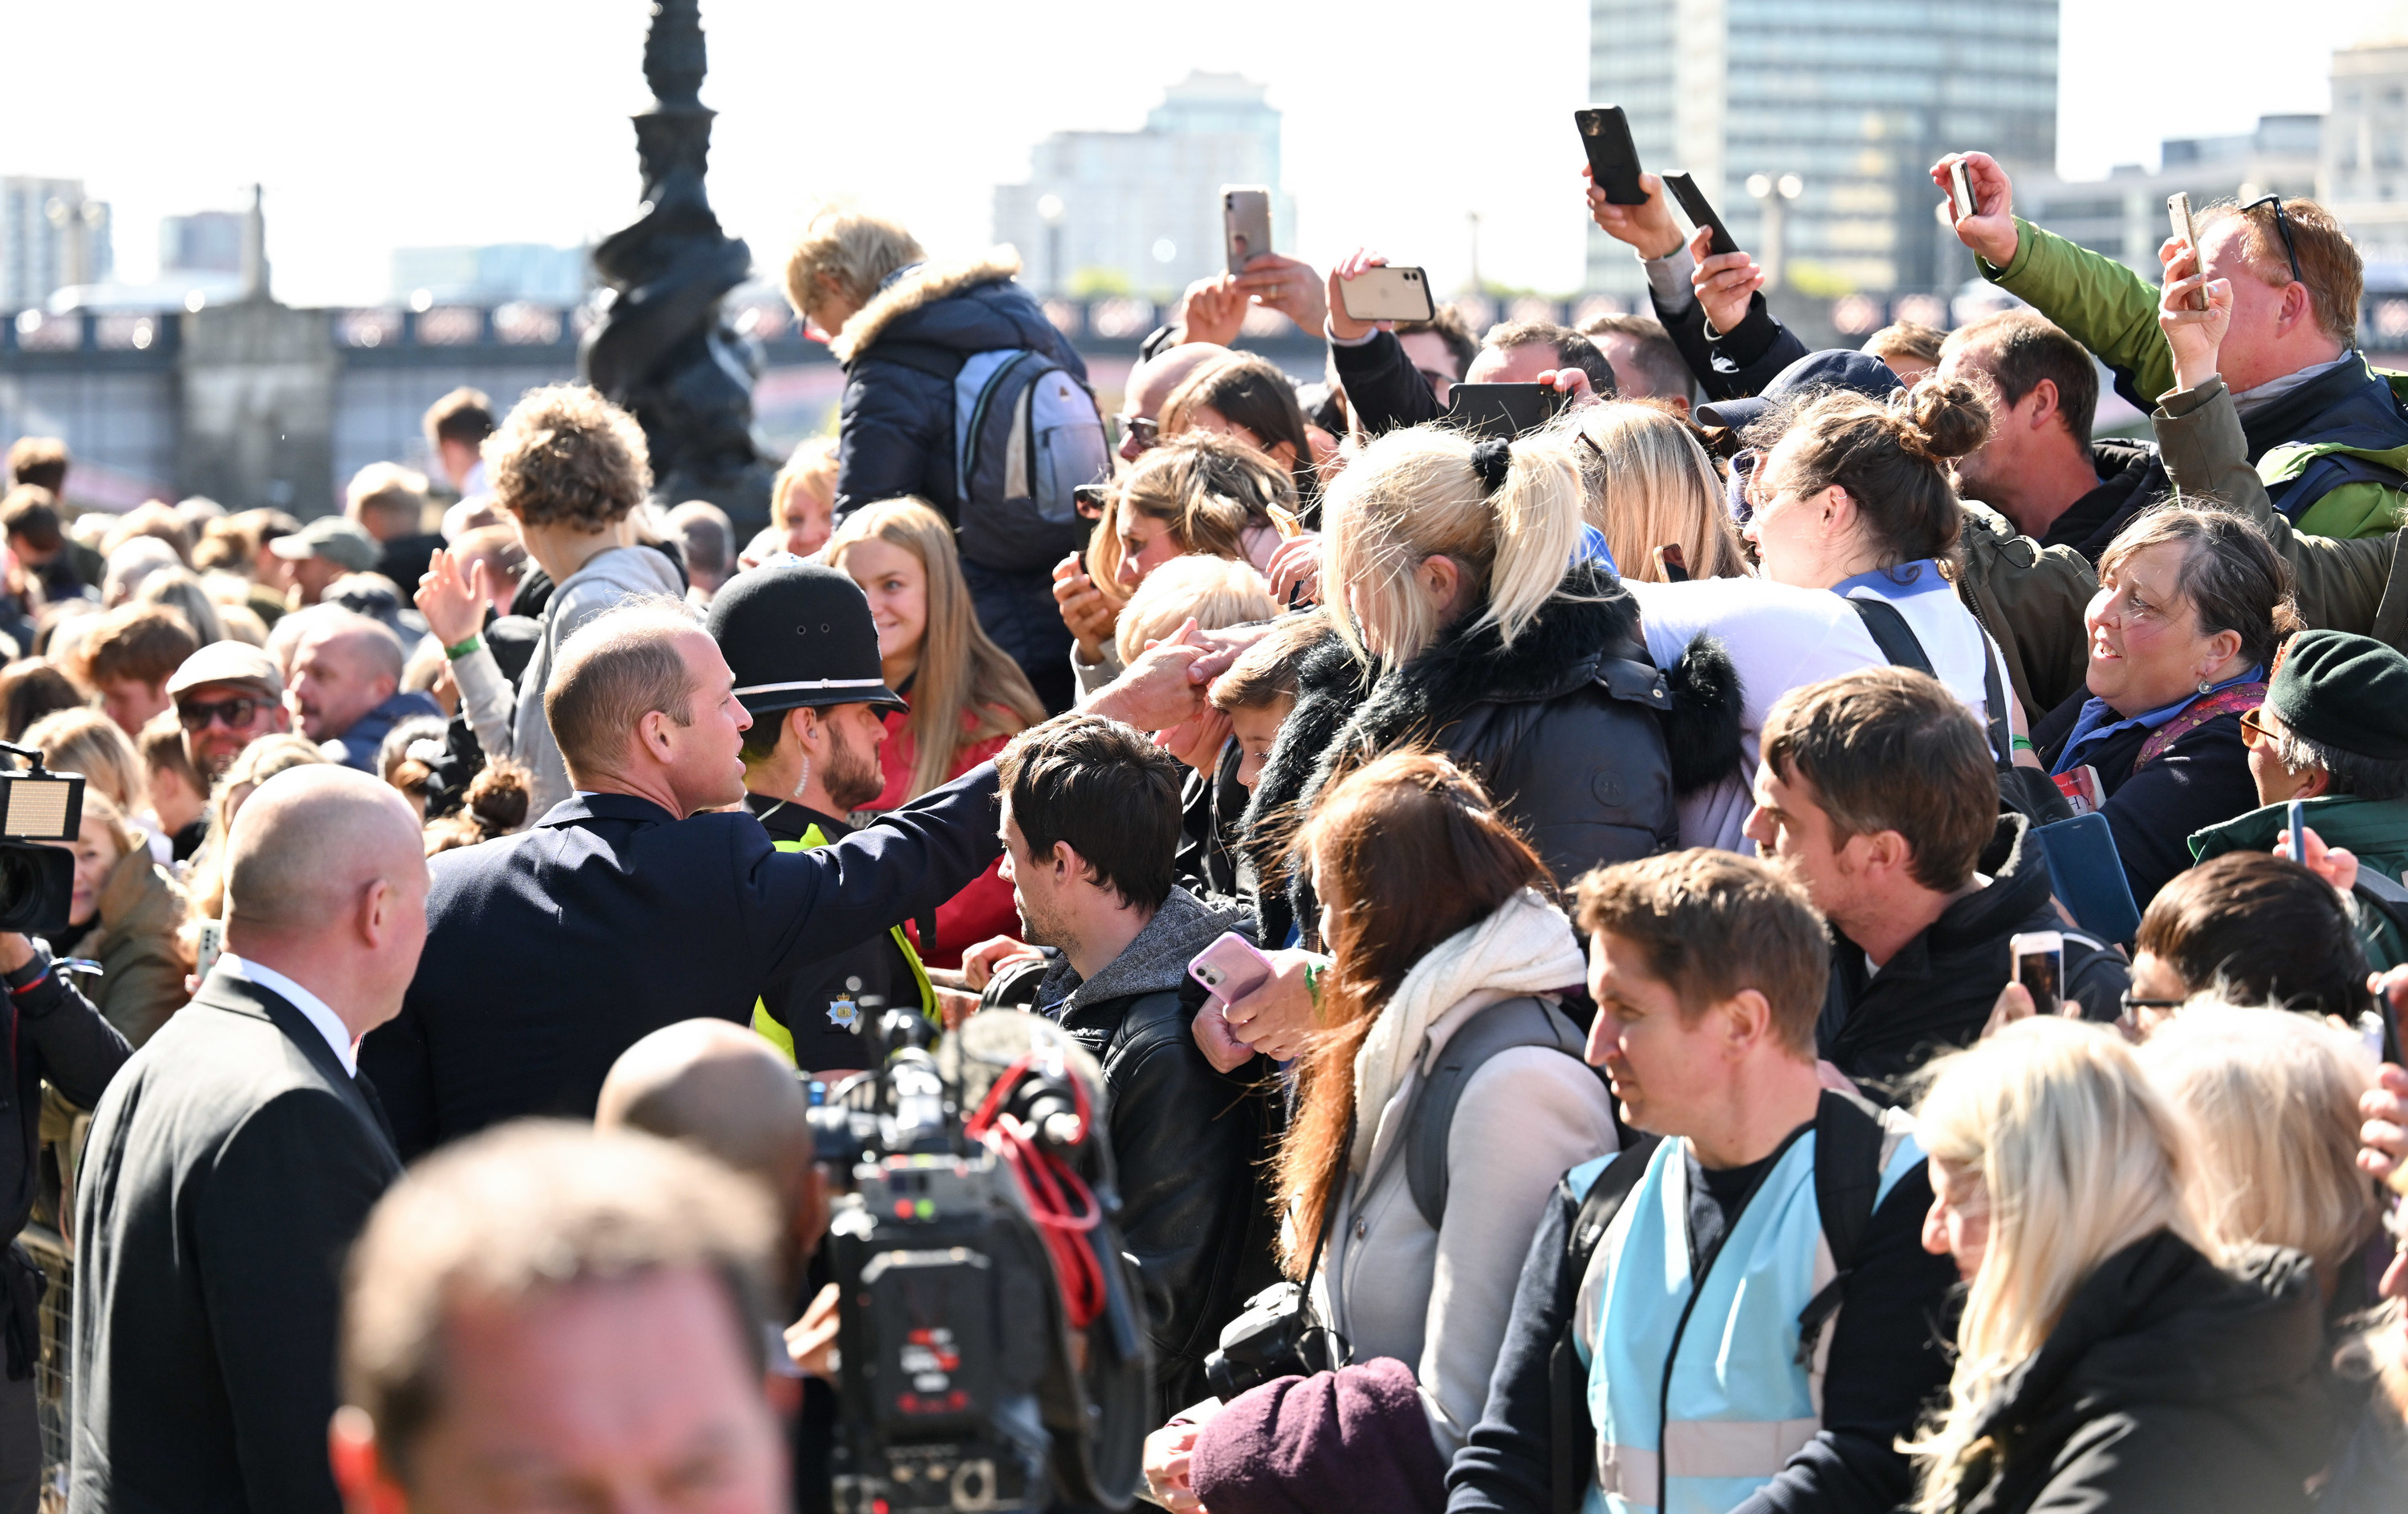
(1581, 740)
(1187, 1141)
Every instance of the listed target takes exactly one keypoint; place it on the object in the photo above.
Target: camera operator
(54, 1034)
(728, 1093)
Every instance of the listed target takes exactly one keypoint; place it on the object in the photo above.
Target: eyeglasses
(2283, 224)
(2129, 1004)
(1144, 430)
(237, 713)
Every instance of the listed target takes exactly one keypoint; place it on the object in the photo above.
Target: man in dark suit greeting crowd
(233, 1161)
(638, 902)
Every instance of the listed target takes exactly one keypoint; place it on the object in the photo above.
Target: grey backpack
(1501, 1027)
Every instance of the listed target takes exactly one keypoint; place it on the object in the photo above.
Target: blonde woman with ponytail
(1468, 616)
(968, 696)
(2110, 1355)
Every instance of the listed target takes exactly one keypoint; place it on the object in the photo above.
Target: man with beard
(804, 654)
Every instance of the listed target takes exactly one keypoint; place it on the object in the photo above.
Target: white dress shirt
(313, 1008)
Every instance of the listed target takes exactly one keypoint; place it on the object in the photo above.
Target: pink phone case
(1230, 968)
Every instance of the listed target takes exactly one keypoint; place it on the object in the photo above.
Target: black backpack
(2027, 791)
(1848, 1142)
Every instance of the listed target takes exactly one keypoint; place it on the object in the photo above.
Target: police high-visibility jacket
(822, 990)
(1695, 1389)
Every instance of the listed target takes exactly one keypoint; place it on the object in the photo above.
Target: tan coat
(142, 962)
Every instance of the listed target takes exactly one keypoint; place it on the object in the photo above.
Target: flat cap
(336, 539)
(228, 662)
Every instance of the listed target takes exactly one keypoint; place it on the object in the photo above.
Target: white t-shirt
(1781, 638)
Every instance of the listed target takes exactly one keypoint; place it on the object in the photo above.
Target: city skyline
(446, 124)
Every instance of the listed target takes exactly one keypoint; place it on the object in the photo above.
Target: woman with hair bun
(2111, 1354)
(1856, 495)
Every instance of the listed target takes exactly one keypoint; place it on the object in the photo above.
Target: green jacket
(2030, 600)
(2359, 586)
(2112, 310)
(2375, 829)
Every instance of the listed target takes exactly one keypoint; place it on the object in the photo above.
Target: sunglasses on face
(236, 713)
(1147, 433)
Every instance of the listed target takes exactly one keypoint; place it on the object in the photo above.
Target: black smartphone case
(1700, 211)
(1612, 156)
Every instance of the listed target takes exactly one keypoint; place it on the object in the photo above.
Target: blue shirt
(1903, 581)
(2097, 721)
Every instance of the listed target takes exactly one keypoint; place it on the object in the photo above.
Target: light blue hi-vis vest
(1738, 1405)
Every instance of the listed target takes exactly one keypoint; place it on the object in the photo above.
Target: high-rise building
(2363, 177)
(1140, 212)
(206, 241)
(50, 237)
(1854, 98)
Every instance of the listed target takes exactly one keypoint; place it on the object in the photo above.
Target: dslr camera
(992, 1346)
(36, 883)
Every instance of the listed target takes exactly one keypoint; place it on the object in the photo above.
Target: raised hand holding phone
(1990, 230)
(1342, 326)
(1649, 228)
(2195, 333)
(1724, 281)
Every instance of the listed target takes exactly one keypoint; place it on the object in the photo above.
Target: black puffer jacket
(2168, 1386)
(1187, 1141)
(899, 351)
(1583, 743)
(1936, 993)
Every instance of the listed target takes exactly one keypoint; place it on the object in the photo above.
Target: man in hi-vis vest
(1736, 1312)
(799, 639)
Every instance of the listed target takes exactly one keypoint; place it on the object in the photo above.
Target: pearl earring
(803, 780)
(2205, 685)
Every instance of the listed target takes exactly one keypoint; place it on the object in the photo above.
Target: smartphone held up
(1245, 223)
(2178, 218)
(1612, 156)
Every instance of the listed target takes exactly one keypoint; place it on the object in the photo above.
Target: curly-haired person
(568, 469)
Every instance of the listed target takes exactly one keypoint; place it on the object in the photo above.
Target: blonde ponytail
(1420, 493)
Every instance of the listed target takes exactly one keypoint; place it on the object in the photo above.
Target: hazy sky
(376, 125)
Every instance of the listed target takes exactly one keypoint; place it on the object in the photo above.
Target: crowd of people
(1804, 934)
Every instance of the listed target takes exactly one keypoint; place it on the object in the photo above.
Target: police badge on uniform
(843, 1013)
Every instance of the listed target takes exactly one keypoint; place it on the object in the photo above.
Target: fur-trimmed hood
(1585, 636)
(916, 288)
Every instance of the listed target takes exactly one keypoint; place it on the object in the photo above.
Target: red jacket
(984, 908)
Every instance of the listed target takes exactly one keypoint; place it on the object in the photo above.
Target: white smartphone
(2178, 217)
(1245, 223)
(1960, 189)
(2039, 967)
(210, 945)
(1388, 294)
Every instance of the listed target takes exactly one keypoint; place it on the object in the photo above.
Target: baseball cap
(1835, 369)
(336, 539)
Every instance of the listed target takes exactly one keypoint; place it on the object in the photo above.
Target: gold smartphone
(2178, 215)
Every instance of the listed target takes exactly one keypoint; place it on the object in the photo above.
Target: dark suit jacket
(550, 952)
(232, 1164)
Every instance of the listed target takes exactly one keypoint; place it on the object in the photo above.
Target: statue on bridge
(663, 349)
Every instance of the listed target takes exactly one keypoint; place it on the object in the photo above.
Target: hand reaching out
(1725, 282)
(2196, 336)
(1212, 310)
(454, 603)
(1649, 228)
(1990, 230)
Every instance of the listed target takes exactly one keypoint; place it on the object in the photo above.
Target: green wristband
(2023, 743)
(1313, 972)
(466, 647)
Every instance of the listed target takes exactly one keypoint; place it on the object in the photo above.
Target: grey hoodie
(1156, 960)
(510, 723)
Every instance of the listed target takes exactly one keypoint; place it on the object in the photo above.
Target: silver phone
(1245, 223)
(2178, 217)
(1387, 295)
(1960, 187)
(209, 946)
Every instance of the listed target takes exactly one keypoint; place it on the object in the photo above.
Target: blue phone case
(2087, 874)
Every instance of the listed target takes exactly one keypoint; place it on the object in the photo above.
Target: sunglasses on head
(237, 713)
(2282, 225)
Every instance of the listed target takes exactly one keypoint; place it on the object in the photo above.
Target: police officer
(799, 639)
